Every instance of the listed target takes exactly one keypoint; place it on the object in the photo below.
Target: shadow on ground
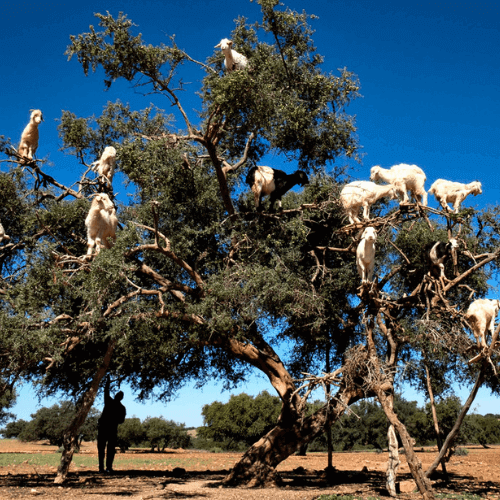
(131, 482)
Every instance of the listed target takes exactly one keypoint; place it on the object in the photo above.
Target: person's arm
(106, 390)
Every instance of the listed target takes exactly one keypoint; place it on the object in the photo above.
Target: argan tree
(197, 285)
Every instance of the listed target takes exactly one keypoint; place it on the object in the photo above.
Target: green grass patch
(50, 460)
(122, 460)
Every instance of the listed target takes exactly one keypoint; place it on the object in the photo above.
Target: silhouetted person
(112, 416)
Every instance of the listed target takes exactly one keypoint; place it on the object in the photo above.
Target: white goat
(233, 60)
(105, 165)
(101, 223)
(365, 254)
(363, 194)
(453, 192)
(29, 137)
(481, 317)
(404, 178)
(3, 236)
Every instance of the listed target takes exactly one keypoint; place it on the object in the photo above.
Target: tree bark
(257, 467)
(393, 462)
(70, 439)
(423, 483)
(434, 417)
(385, 396)
(450, 438)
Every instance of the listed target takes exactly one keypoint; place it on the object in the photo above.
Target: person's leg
(101, 448)
(112, 439)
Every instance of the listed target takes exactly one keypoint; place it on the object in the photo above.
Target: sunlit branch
(156, 247)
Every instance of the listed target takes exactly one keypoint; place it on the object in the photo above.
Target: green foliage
(198, 286)
(161, 434)
(243, 418)
(14, 429)
(8, 398)
(131, 433)
(283, 96)
(50, 423)
(365, 426)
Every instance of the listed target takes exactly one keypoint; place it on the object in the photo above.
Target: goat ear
(217, 46)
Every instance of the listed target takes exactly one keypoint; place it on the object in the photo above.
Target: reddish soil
(186, 474)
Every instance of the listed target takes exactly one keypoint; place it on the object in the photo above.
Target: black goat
(436, 253)
(273, 182)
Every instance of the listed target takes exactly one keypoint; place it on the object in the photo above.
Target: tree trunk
(257, 467)
(393, 462)
(302, 451)
(456, 428)
(423, 483)
(70, 440)
(434, 417)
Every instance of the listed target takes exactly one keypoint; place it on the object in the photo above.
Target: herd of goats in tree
(356, 199)
(102, 222)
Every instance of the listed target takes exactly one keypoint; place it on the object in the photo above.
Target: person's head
(119, 396)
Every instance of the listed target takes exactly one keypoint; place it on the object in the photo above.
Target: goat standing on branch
(365, 254)
(481, 316)
(273, 182)
(363, 194)
(29, 137)
(453, 192)
(437, 252)
(101, 223)
(232, 60)
(105, 165)
(404, 178)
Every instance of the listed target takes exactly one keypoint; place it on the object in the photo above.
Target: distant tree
(447, 412)
(243, 418)
(161, 433)
(14, 429)
(483, 430)
(414, 418)
(366, 424)
(131, 433)
(50, 423)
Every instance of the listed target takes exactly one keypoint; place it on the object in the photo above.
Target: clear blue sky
(429, 74)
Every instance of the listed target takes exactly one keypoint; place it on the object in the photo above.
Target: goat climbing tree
(199, 287)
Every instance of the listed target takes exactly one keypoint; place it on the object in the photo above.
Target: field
(28, 470)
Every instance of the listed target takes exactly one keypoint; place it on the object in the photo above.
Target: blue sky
(429, 75)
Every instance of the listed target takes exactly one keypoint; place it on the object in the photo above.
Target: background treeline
(235, 425)
(243, 419)
(49, 424)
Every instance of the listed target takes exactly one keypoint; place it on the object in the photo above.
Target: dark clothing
(112, 415)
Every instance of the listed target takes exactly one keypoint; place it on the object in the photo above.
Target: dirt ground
(186, 474)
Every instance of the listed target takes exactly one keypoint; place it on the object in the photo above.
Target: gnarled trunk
(70, 439)
(434, 417)
(456, 428)
(423, 484)
(257, 467)
(393, 462)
